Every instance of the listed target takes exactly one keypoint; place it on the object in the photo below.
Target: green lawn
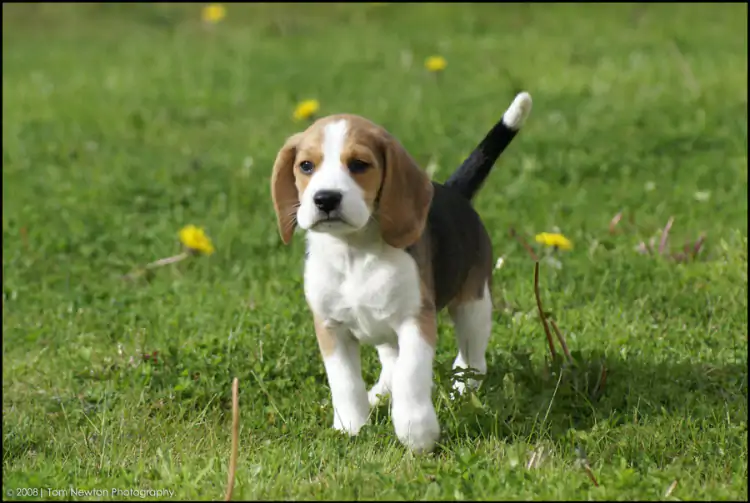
(123, 123)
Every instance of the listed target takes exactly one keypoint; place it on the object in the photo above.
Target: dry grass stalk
(698, 244)
(687, 71)
(235, 438)
(590, 472)
(584, 462)
(541, 311)
(613, 223)
(531, 460)
(562, 342)
(523, 243)
(643, 248)
(670, 489)
(689, 251)
(664, 234)
(599, 388)
(536, 458)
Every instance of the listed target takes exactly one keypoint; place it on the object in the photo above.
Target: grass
(122, 123)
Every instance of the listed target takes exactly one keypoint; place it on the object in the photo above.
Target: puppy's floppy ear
(405, 196)
(283, 188)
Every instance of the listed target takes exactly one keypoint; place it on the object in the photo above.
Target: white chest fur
(369, 288)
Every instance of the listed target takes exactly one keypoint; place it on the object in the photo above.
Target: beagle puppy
(387, 249)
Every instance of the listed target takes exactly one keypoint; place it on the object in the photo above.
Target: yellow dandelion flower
(196, 240)
(435, 63)
(213, 13)
(556, 240)
(306, 109)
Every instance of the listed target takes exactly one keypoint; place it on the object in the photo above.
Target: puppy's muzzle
(327, 200)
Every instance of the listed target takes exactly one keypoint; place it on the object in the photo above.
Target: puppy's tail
(468, 178)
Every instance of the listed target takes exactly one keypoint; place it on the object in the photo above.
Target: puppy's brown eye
(306, 167)
(356, 166)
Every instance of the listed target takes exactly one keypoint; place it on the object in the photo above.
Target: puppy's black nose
(327, 200)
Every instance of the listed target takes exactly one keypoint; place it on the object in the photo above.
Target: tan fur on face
(393, 183)
(405, 196)
(283, 190)
(361, 143)
(364, 142)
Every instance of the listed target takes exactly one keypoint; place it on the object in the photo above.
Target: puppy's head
(343, 171)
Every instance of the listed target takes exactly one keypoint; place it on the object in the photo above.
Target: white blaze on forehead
(332, 175)
(334, 135)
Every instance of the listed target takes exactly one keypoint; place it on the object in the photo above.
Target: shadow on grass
(518, 400)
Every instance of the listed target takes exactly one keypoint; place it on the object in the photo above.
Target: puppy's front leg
(412, 412)
(343, 366)
(388, 354)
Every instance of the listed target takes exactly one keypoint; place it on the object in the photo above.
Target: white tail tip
(517, 112)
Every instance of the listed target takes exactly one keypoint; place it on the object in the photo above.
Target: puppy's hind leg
(388, 354)
(473, 324)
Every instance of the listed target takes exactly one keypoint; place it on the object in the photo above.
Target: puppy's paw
(461, 387)
(377, 394)
(416, 426)
(349, 422)
(469, 379)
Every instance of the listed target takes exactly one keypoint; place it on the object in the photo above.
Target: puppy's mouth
(334, 219)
